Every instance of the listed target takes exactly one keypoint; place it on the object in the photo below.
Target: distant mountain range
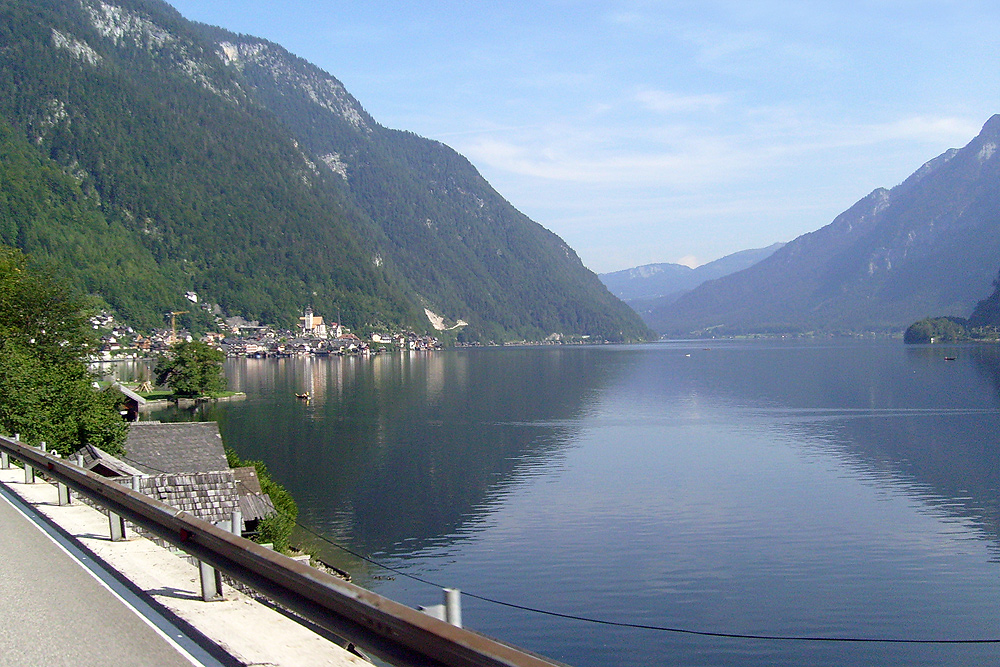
(653, 285)
(143, 156)
(929, 246)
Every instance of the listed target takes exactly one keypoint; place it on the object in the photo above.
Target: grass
(157, 394)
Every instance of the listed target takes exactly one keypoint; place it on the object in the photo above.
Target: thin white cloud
(662, 101)
(927, 128)
(759, 52)
(690, 160)
(724, 47)
(691, 155)
(793, 131)
(689, 261)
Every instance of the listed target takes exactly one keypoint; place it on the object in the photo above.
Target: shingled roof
(105, 464)
(254, 503)
(184, 465)
(209, 495)
(183, 447)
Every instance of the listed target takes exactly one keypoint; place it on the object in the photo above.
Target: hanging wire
(641, 626)
(624, 624)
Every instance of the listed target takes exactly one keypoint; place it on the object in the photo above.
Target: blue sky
(645, 132)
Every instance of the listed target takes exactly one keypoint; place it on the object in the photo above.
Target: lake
(794, 490)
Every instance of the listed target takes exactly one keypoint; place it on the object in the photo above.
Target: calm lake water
(802, 489)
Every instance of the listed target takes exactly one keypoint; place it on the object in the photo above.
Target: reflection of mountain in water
(398, 453)
(900, 414)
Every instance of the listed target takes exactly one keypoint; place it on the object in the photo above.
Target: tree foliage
(46, 391)
(192, 369)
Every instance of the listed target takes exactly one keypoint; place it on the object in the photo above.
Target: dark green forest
(140, 164)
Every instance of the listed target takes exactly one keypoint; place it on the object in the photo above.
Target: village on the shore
(237, 337)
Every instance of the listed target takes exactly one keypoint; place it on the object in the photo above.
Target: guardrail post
(29, 473)
(64, 497)
(211, 579)
(5, 457)
(450, 611)
(453, 606)
(138, 489)
(119, 527)
(211, 582)
(119, 531)
(117, 524)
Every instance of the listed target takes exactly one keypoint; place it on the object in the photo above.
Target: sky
(645, 132)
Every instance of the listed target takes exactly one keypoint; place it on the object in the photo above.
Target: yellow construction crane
(173, 324)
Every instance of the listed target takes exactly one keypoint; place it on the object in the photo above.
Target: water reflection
(898, 414)
(800, 488)
(397, 453)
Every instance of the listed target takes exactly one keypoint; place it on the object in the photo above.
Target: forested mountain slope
(928, 245)
(225, 165)
(44, 211)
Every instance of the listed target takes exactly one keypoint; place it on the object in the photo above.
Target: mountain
(222, 164)
(930, 245)
(987, 311)
(670, 281)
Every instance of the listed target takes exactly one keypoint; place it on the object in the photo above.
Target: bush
(276, 528)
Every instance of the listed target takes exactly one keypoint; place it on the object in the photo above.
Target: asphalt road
(53, 611)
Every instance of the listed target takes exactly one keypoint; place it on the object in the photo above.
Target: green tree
(46, 390)
(192, 369)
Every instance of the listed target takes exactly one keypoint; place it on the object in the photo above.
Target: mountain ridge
(928, 245)
(651, 282)
(255, 178)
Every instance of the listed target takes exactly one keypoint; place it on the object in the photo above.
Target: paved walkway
(54, 612)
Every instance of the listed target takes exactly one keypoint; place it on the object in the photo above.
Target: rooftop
(188, 447)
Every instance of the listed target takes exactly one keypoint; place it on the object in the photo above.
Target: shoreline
(158, 403)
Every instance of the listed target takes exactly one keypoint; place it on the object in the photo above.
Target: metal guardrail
(385, 628)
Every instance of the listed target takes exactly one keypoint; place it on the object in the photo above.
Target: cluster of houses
(315, 336)
(273, 344)
(242, 338)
